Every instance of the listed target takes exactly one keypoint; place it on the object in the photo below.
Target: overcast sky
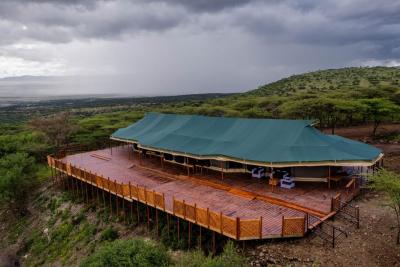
(148, 47)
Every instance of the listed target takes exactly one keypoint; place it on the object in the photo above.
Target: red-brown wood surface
(206, 191)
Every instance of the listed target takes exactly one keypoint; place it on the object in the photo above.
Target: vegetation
(127, 253)
(228, 258)
(389, 183)
(17, 172)
(30, 131)
(57, 128)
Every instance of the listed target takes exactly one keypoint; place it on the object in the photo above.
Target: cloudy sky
(148, 47)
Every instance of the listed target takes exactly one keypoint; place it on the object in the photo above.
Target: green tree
(378, 110)
(57, 128)
(17, 177)
(388, 182)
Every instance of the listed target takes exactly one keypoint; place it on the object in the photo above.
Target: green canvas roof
(267, 141)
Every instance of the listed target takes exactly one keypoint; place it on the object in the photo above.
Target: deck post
(237, 228)
(189, 234)
(116, 197)
(75, 187)
(333, 237)
(178, 229)
(137, 204)
(130, 196)
(123, 208)
(86, 190)
(168, 223)
(157, 222)
(261, 227)
(220, 222)
(83, 193)
(148, 217)
(103, 193)
(200, 237)
(109, 193)
(283, 225)
(91, 186)
(213, 243)
(137, 208)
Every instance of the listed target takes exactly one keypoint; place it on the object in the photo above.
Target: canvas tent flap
(257, 140)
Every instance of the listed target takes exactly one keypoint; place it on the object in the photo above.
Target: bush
(109, 234)
(228, 258)
(129, 253)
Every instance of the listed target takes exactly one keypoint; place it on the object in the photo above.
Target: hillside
(335, 97)
(334, 80)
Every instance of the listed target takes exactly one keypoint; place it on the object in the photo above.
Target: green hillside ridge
(333, 97)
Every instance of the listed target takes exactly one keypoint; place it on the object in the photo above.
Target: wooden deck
(234, 196)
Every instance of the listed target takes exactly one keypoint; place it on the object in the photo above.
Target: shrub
(228, 258)
(109, 234)
(128, 253)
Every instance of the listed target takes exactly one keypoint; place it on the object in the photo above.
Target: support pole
(130, 196)
(199, 237)
(189, 234)
(213, 243)
(116, 197)
(157, 222)
(109, 193)
(148, 217)
(168, 223)
(178, 229)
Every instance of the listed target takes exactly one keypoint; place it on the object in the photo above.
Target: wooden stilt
(178, 229)
(148, 217)
(109, 193)
(168, 223)
(86, 190)
(116, 198)
(137, 211)
(199, 237)
(189, 234)
(103, 194)
(213, 243)
(123, 209)
(131, 202)
(157, 222)
(82, 190)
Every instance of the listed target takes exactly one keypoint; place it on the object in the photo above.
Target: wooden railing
(294, 226)
(233, 227)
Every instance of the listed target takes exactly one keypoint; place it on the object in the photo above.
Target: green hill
(333, 97)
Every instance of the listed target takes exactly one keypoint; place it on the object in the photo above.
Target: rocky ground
(373, 244)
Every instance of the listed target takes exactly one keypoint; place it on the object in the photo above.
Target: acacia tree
(57, 128)
(389, 183)
(17, 177)
(379, 109)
